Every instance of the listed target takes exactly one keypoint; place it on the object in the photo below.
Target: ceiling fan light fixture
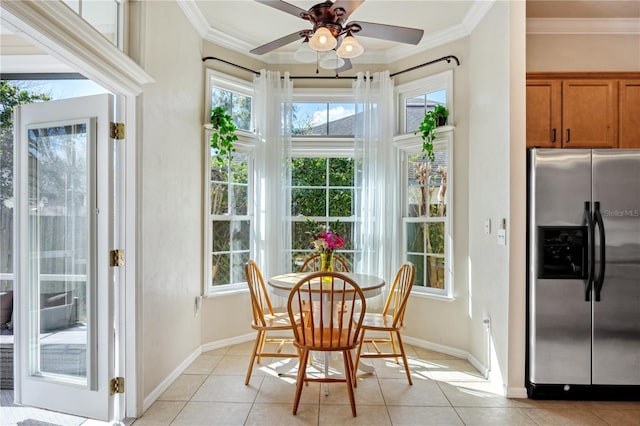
(331, 61)
(305, 53)
(322, 40)
(350, 48)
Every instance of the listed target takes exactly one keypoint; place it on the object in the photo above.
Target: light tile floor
(445, 391)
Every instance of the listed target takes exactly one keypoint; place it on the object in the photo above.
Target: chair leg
(351, 370)
(346, 355)
(355, 367)
(393, 345)
(302, 374)
(253, 356)
(404, 358)
(263, 339)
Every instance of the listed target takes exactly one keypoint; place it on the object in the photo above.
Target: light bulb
(350, 48)
(323, 40)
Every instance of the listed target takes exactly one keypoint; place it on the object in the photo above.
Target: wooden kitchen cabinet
(544, 113)
(572, 113)
(589, 113)
(629, 106)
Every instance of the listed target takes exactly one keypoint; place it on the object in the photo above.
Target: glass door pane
(60, 241)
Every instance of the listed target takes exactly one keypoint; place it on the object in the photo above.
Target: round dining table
(370, 285)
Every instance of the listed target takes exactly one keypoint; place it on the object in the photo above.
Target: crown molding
(430, 41)
(195, 16)
(583, 26)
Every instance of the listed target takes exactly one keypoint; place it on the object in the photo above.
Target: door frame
(60, 32)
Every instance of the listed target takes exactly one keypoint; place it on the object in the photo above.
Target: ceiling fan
(332, 33)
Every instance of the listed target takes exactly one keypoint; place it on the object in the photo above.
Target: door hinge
(116, 385)
(116, 130)
(116, 258)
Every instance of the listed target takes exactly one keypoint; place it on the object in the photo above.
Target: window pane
(301, 235)
(309, 172)
(220, 269)
(416, 107)
(414, 110)
(309, 118)
(341, 119)
(427, 185)
(435, 238)
(240, 200)
(435, 272)
(415, 237)
(340, 172)
(419, 261)
(340, 202)
(308, 202)
(237, 105)
(240, 232)
(219, 200)
(221, 232)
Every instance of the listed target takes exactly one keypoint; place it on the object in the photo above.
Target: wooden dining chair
(390, 320)
(265, 320)
(312, 264)
(331, 324)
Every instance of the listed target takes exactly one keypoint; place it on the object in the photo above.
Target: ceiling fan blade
(346, 67)
(282, 41)
(348, 5)
(389, 32)
(284, 6)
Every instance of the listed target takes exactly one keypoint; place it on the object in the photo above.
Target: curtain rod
(447, 58)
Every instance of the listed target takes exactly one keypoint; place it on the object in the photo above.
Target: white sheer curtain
(272, 231)
(375, 176)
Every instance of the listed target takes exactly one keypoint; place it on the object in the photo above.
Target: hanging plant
(224, 134)
(432, 119)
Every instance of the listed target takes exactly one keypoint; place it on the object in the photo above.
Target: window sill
(222, 293)
(433, 296)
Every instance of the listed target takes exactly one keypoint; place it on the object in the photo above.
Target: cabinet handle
(553, 138)
(568, 135)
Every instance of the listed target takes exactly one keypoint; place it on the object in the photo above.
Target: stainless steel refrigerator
(583, 266)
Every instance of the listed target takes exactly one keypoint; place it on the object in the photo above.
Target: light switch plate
(487, 226)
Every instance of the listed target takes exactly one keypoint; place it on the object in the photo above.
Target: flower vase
(326, 264)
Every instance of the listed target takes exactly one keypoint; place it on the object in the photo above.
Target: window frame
(322, 146)
(245, 144)
(409, 144)
(434, 83)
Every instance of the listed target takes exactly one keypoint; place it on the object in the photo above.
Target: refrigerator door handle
(599, 281)
(592, 251)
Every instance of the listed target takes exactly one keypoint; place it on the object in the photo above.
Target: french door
(65, 286)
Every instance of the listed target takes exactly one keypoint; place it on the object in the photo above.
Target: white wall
(489, 187)
(170, 191)
(583, 52)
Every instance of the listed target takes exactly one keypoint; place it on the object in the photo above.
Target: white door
(65, 190)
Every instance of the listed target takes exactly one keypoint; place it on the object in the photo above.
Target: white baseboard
(164, 385)
(228, 342)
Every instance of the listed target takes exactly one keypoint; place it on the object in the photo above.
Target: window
(323, 169)
(426, 205)
(418, 97)
(322, 189)
(323, 119)
(104, 16)
(235, 96)
(230, 219)
(229, 187)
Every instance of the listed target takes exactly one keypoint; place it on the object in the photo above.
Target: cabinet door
(629, 114)
(544, 109)
(590, 114)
